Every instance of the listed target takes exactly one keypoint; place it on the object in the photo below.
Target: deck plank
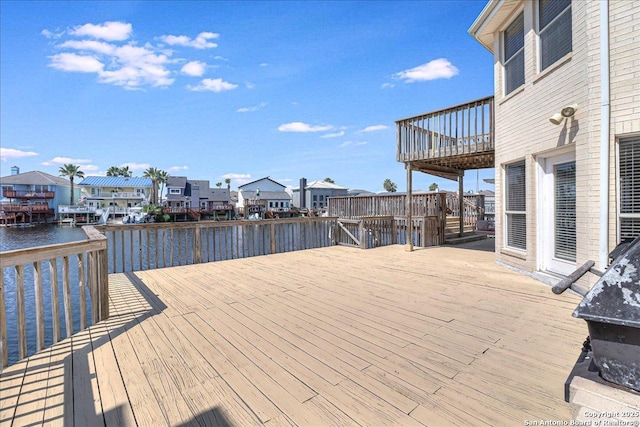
(334, 336)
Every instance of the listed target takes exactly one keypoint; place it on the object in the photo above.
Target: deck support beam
(461, 204)
(409, 209)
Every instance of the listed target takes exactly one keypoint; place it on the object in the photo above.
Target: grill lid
(615, 298)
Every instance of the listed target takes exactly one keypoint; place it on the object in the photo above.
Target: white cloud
(249, 85)
(352, 143)
(76, 63)
(137, 166)
(194, 68)
(387, 85)
(212, 85)
(90, 168)
(236, 176)
(65, 160)
(333, 135)
(374, 128)
(177, 168)
(439, 68)
(90, 46)
(264, 64)
(12, 153)
(252, 109)
(303, 127)
(110, 30)
(200, 42)
(128, 64)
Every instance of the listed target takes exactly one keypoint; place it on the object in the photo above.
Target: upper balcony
(116, 195)
(27, 194)
(446, 142)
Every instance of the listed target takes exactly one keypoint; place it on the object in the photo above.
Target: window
(516, 206)
(315, 197)
(554, 30)
(565, 211)
(629, 171)
(513, 39)
(174, 191)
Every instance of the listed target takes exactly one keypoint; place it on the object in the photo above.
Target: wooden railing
(137, 247)
(15, 194)
(425, 231)
(47, 274)
(473, 208)
(463, 129)
(370, 232)
(424, 204)
(22, 207)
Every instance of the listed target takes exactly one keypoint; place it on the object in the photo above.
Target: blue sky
(242, 90)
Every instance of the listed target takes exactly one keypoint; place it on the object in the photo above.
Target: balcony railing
(462, 130)
(24, 207)
(68, 209)
(15, 194)
(117, 195)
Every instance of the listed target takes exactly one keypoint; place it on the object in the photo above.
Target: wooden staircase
(452, 230)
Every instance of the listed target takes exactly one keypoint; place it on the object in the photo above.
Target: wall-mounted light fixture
(556, 119)
(567, 111)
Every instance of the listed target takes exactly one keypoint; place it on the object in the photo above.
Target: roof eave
(490, 19)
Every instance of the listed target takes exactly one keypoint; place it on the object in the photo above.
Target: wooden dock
(331, 336)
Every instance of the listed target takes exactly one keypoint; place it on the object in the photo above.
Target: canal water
(22, 238)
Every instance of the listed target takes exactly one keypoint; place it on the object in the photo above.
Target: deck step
(466, 238)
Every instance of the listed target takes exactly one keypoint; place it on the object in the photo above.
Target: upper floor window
(175, 191)
(554, 30)
(513, 41)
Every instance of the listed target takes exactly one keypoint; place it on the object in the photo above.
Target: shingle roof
(177, 181)
(267, 178)
(116, 181)
(34, 178)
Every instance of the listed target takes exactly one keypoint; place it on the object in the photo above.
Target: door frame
(545, 214)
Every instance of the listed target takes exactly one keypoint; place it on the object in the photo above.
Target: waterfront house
(196, 197)
(315, 195)
(33, 196)
(117, 193)
(263, 195)
(567, 129)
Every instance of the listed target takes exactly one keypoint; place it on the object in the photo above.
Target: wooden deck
(333, 336)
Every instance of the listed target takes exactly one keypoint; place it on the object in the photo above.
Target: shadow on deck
(331, 336)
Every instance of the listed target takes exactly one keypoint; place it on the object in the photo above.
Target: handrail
(53, 264)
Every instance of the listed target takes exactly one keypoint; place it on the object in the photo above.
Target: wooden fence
(134, 247)
(76, 268)
(433, 205)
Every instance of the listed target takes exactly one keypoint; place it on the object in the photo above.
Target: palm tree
(124, 171)
(162, 179)
(433, 187)
(390, 186)
(71, 171)
(113, 171)
(329, 180)
(228, 182)
(153, 173)
(219, 184)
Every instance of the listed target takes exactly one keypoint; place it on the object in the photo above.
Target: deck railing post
(22, 330)
(103, 285)
(272, 237)
(197, 241)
